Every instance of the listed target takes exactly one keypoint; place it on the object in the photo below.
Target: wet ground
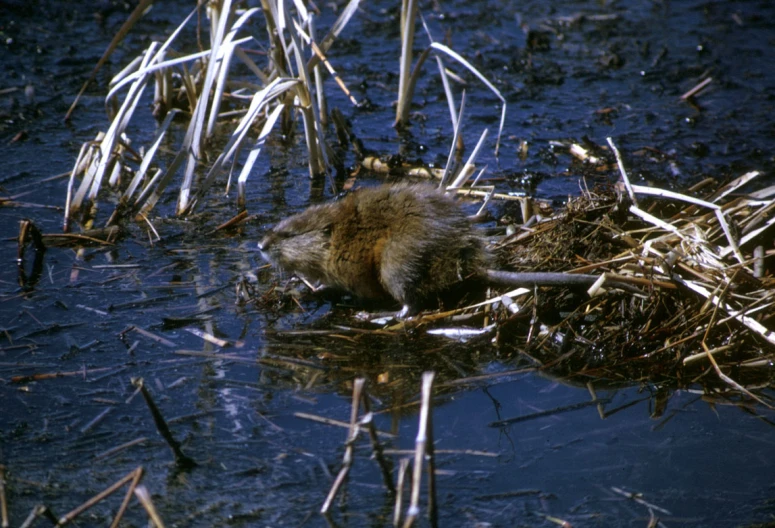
(72, 343)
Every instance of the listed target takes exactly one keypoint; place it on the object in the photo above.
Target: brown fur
(408, 242)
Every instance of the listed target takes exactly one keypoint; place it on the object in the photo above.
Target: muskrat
(410, 242)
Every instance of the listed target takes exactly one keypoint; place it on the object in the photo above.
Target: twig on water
(239, 219)
(96, 420)
(52, 375)
(638, 497)
(138, 474)
(697, 89)
(113, 450)
(150, 335)
(550, 412)
(470, 452)
(330, 421)
(133, 477)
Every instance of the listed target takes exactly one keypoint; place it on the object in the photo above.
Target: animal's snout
(266, 242)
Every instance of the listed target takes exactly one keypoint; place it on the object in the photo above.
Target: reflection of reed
(181, 459)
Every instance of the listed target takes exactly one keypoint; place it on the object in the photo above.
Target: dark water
(705, 462)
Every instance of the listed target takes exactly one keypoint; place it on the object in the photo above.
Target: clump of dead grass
(703, 263)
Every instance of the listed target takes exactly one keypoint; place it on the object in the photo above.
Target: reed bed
(202, 91)
(195, 88)
(701, 262)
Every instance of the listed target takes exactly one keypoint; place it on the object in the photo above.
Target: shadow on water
(81, 322)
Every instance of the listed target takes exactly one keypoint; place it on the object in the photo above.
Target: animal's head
(300, 243)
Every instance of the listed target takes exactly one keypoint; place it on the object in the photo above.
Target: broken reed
(423, 457)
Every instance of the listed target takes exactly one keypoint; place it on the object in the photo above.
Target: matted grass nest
(703, 269)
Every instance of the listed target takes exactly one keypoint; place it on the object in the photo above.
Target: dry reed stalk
(622, 171)
(339, 82)
(423, 453)
(127, 497)
(3, 501)
(204, 78)
(132, 477)
(697, 89)
(352, 436)
(145, 499)
(408, 77)
(376, 446)
(337, 423)
(398, 508)
(112, 451)
(456, 128)
(467, 169)
(408, 23)
(53, 375)
(156, 338)
(712, 359)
